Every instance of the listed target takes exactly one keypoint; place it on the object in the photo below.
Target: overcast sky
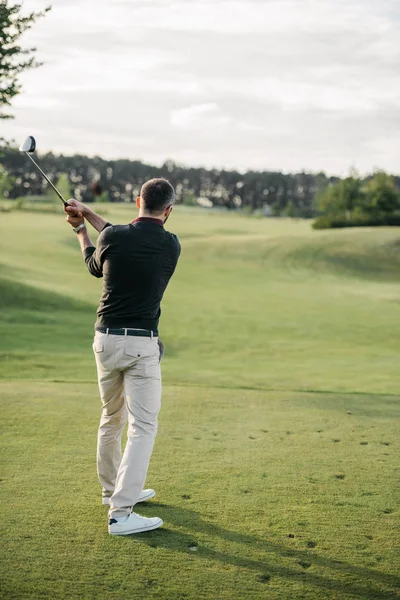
(262, 84)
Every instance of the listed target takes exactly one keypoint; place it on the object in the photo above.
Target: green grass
(275, 463)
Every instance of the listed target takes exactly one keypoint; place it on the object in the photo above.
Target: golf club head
(29, 144)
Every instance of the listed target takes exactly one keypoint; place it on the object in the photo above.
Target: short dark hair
(157, 195)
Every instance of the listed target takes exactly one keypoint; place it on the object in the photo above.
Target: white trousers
(129, 380)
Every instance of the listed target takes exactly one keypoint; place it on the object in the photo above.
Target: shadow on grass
(349, 576)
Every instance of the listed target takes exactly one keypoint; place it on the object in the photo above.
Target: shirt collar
(149, 219)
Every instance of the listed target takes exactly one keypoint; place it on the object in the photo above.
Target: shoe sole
(148, 497)
(141, 530)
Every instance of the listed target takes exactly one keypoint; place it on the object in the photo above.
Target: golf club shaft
(48, 180)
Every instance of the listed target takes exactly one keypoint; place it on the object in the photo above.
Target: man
(136, 262)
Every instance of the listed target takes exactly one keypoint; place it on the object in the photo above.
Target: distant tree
(377, 196)
(341, 197)
(63, 187)
(290, 210)
(5, 182)
(381, 195)
(13, 58)
(354, 203)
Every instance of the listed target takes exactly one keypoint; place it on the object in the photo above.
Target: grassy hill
(276, 456)
(264, 304)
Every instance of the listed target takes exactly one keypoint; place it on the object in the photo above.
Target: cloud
(280, 84)
(198, 116)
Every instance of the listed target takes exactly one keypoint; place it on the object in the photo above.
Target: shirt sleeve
(94, 256)
(177, 247)
(92, 262)
(172, 256)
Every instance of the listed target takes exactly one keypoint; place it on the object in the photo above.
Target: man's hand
(74, 207)
(78, 210)
(74, 211)
(75, 220)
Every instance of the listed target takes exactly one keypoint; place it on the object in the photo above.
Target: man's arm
(87, 247)
(84, 240)
(74, 208)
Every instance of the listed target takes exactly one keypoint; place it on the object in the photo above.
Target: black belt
(127, 331)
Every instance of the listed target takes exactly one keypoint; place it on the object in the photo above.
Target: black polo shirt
(136, 262)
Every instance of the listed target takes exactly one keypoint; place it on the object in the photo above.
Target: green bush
(19, 204)
(356, 220)
(354, 203)
(189, 199)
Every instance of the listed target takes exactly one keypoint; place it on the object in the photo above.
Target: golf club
(28, 147)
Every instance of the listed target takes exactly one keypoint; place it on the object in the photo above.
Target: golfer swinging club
(136, 262)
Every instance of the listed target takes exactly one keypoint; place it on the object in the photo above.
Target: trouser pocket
(143, 355)
(161, 348)
(97, 346)
(104, 351)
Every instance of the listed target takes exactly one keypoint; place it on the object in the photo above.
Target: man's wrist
(79, 229)
(86, 211)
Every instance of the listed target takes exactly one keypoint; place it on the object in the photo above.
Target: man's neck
(146, 215)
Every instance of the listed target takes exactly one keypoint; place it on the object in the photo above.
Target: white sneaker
(144, 496)
(133, 524)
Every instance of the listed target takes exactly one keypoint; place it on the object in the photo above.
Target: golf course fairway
(276, 462)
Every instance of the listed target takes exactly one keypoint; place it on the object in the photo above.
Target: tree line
(269, 192)
(298, 195)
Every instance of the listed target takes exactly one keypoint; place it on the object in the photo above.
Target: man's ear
(168, 211)
(138, 201)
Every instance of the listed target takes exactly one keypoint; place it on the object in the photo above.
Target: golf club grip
(48, 180)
